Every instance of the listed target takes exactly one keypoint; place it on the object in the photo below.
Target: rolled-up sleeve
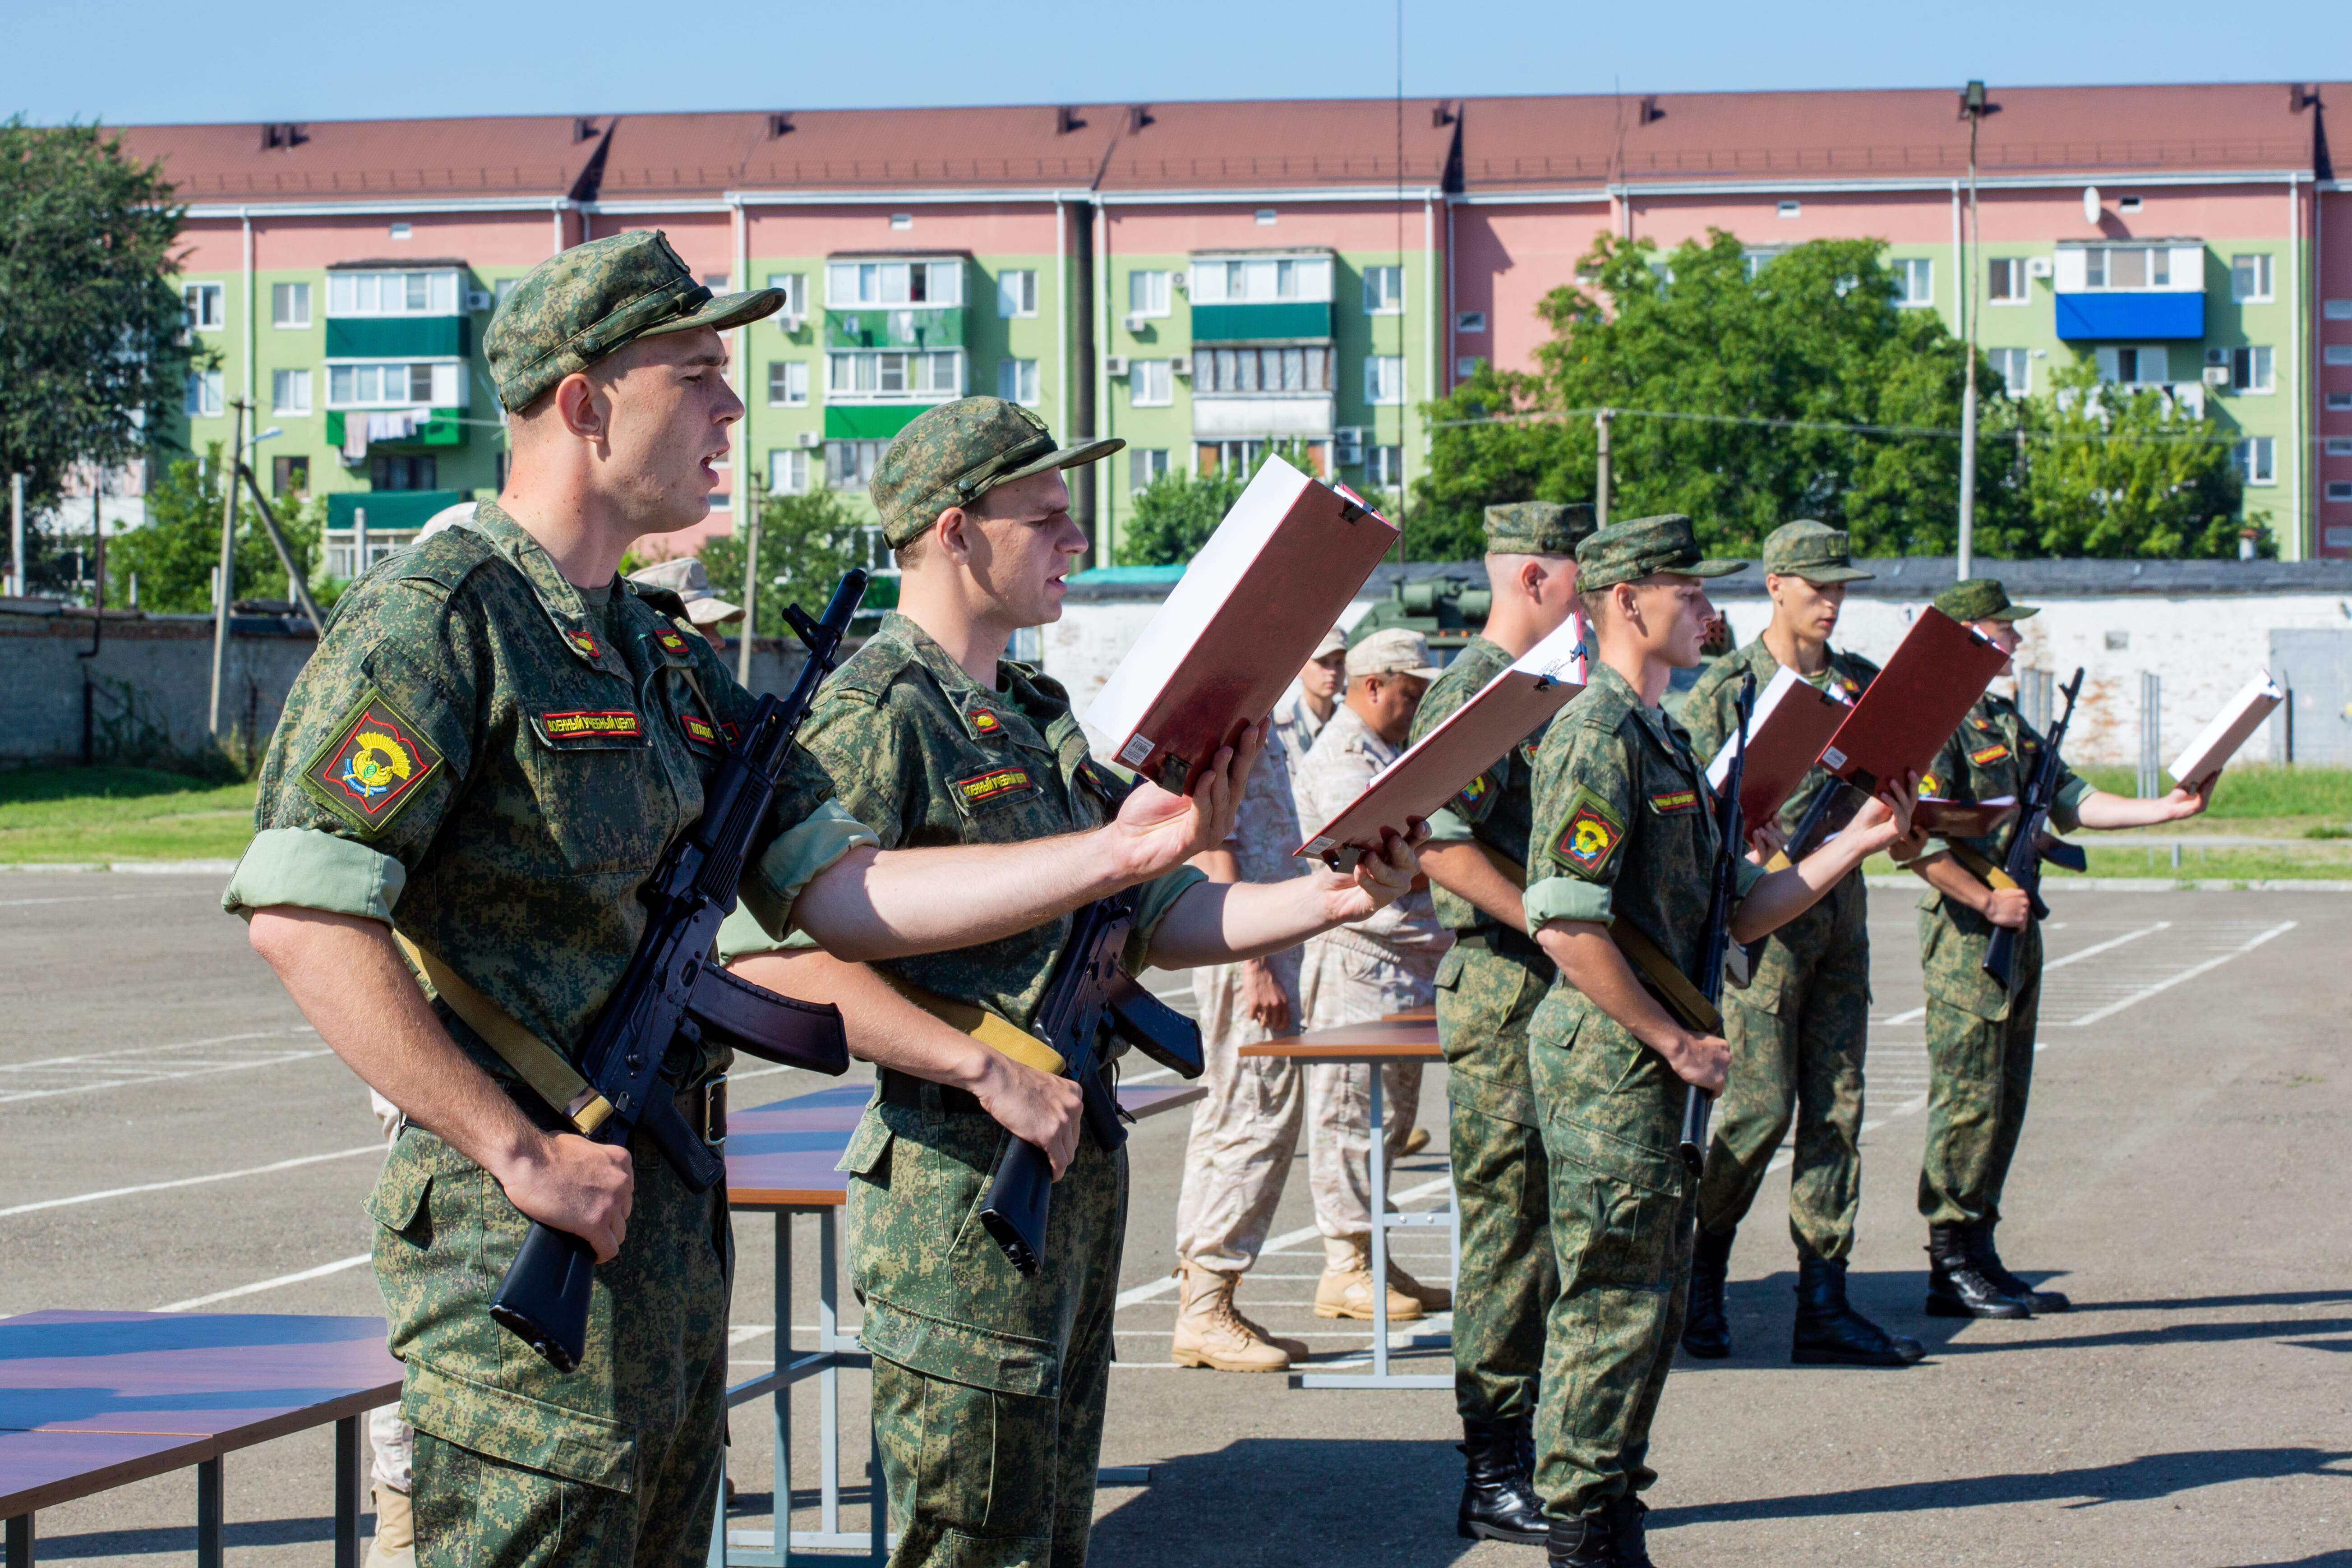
(2067, 803)
(1568, 898)
(794, 859)
(1153, 900)
(316, 870)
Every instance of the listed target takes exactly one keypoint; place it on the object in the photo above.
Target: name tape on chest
(371, 767)
(1675, 802)
(699, 729)
(613, 723)
(1589, 837)
(1987, 755)
(994, 787)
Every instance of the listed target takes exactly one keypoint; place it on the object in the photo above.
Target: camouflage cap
(1629, 552)
(956, 453)
(1537, 528)
(593, 299)
(1813, 551)
(1981, 599)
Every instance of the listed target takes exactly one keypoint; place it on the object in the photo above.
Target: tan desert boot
(1209, 1332)
(396, 1530)
(1346, 1288)
(1432, 1297)
(1416, 1141)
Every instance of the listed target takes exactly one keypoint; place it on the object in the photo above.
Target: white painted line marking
(1919, 1013)
(151, 1063)
(104, 897)
(195, 1181)
(1283, 1243)
(2112, 1008)
(320, 1272)
(1913, 1016)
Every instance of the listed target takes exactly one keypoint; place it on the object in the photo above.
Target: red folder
(1793, 721)
(1917, 700)
(1246, 615)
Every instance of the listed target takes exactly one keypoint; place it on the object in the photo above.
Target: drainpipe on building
(1082, 418)
(252, 341)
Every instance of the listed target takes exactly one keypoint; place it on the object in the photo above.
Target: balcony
(2152, 315)
(914, 327)
(1303, 320)
(2153, 290)
(398, 337)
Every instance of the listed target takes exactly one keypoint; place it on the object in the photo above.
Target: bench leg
(20, 1541)
(347, 1493)
(212, 1536)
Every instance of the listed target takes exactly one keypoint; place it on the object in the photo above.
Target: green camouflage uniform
(1799, 1028)
(1487, 989)
(1979, 1042)
(493, 761)
(1623, 830)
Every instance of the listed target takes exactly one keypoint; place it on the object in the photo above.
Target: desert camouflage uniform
(1354, 974)
(1979, 1042)
(1295, 729)
(1487, 990)
(988, 1387)
(1799, 1029)
(493, 761)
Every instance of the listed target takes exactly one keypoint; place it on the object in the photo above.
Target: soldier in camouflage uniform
(1979, 1038)
(988, 1387)
(1624, 842)
(490, 750)
(1487, 988)
(1799, 1028)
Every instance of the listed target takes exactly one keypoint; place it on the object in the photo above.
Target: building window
(206, 391)
(1384, 378)
(788, 472)
(853, 283)
(404, 472)
(1148, 293)
(2251, 280)
(1211, 458)
(504, 287)
(289, 304)
(894, 373)
(1016, 293)
(2336, 354)
(2127, 267)
(793, 286)
(1468, 322)
(1016, 382)
(1254, 280)
(2339, 403)
(849, 465)
(289, 476)
(2005, 280)
(788, 383)
(1914, 281)
(204, 306)
(1146, 465)
(2339, 489)
(2339, 446)
(1384, 467)
(2249, 370)
(2015, 368)
(1383, 290)
(2257, 459)
(1466, 366)
(289, 392)
(1149, 385)
(1306, 368)
(2135, 366)
(1788, 209)
(391, 293)
(431, 384)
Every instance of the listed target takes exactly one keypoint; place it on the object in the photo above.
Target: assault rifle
(673, 998)
(1723, 881)
(1086, 989)
(2022, 866)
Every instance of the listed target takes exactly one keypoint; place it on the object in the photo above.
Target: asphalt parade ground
(171, 1135)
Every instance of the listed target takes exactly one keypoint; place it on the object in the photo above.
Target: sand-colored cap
(1981, 599)
(1334, 641)
(593, 299)
(1396, 650)
(1629, 552)
(685, 576)
(1814, 551)
(956, 453)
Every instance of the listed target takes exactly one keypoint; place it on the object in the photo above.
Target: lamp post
(1973, 107)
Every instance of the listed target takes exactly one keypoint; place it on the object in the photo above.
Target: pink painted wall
(481, 240)
(1343, 226)
(1898, 218)
(2332, 218)
(1506, 259)
(704, 241)
(1024, 230)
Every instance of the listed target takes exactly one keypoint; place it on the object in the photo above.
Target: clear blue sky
(128, 61)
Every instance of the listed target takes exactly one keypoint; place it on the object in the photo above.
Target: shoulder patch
(1474, 799)
(671, 639)
(1675, 802)
(371, 767)
(995, 786)
(1989, 754)
(985, 722)
(584, 643)
(1590, 836)
(1928, 785)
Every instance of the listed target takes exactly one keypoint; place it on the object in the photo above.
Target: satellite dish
(2090, 206)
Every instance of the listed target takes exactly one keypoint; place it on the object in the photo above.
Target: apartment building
(1204, 278)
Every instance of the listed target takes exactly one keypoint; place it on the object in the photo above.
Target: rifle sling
(1671, 986)
(999, 1034)
(555, 1079)
(1976, 865)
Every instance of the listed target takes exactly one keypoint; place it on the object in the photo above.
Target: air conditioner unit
(1135, 321)
(1180, 365)
(1115, 364)
(812, 439)
(791, 323)
(478, 299)
(1347, 442)
(2217, 375)
(2040, 267)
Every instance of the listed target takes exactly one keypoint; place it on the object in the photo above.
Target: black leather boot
(1498, 1500)
(1706, 1332)
(1831, 1332)
(1585, 1542)
(1957, 1288)
(1629, 1531)
(1989, 1265)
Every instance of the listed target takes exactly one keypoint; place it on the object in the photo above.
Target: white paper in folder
(2219, 742)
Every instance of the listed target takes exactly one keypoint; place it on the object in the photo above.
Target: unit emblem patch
(1590, 836)
(371, 767)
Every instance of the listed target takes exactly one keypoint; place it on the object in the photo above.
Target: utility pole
(1601, 486)
(227, 568)
(1972, 104)
(17, 534)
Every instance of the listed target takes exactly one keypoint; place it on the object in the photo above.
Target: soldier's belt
(1982, 869)
(1667, 982)
(999, 1034)
(555, 1080)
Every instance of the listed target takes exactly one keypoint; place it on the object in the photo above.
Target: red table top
(1409, 1036)
(91, 1400)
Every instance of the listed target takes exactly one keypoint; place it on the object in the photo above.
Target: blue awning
(2124, 316)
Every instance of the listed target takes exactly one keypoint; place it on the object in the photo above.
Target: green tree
(175, 553)
(807, 542)
(1810, 336)
(2113, 471)
(1174, 515)
(92, 357)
